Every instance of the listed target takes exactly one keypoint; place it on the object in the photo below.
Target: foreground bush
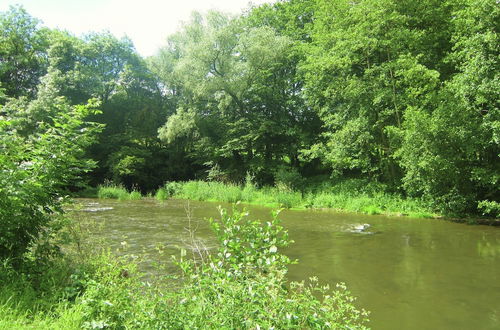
(36, 165)
(241, 285)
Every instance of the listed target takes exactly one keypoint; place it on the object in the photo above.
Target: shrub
(36, 167)
(110, 191)
(243, 285)
(161, 194)
(168, 190)
(134, 195)
(491, 208)
(288, 177)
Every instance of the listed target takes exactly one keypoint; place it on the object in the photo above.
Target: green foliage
(348, 195)
(168, 190)
(23, 50)
(237, 107)
(450, 152)
(394, 91)
(134, 195)
(111, 191)
(36, 167)
(108, 69)
(489, 208)
(216, 191)
(356, 77)
(243, 285)
(288, 177)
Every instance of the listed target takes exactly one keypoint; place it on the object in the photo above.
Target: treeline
(298, 93)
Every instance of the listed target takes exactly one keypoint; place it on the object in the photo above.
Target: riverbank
(354, 196)
(367, 199)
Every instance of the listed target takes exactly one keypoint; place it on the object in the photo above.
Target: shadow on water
(410, 273)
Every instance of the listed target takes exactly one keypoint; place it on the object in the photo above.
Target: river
(409, 273)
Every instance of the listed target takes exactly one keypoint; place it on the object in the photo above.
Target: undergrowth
(241, 285)
(117, 192)
(350, 195)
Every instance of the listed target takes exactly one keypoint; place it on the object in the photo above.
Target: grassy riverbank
(351, 196)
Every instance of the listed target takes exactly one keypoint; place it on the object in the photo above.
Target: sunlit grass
(117, 192)
(351, 196)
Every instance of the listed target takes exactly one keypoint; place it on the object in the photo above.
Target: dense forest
(404, 94)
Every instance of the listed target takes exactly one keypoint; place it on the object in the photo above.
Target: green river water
(409, 273)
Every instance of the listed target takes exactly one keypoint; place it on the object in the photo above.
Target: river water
(409, 273)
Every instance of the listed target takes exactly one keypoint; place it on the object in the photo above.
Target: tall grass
(117, 192)
(350, 195)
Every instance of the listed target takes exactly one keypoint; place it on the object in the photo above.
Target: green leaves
(244, 284)
(35, 168)
(237, 92)
(23, 47)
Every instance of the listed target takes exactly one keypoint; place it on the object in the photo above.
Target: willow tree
(235, 97)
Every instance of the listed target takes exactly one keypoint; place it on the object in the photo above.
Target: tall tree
(23, 52)
(366, 59)
(239, 103)
(451, 154)
(109, 69)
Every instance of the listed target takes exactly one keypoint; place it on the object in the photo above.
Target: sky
(146, 22)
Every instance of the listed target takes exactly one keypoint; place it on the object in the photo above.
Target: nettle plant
(243, 284)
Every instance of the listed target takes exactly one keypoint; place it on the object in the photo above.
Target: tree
(103, 67)
(23, 52)
(238, 100)
(450, 154)
(357, 78)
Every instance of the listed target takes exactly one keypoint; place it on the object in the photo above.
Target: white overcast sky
(146, 22)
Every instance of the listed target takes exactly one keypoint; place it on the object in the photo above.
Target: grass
(117, 192)
(350, 196)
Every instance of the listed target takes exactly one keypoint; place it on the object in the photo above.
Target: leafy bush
(288, 177)
(36, 167)
(168, 190)
(244, 285)
(161, 194)
(134, 195)
(489, 208)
